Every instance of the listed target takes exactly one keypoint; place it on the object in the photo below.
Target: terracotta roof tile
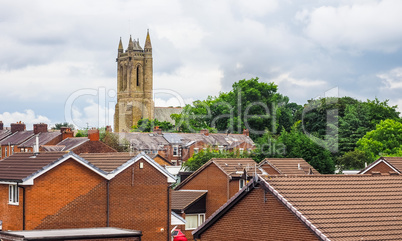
(108, 161)
(359, 207)
(184, 198)
(290, 166)
(395, 162)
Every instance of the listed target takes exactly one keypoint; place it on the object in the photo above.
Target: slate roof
(4, 134)
(182, 199)
(108, 161)
(17, 138)
(44, 137)
(143, 140)
(335, 207)
(163, 113)
(290, 166)
(394, 162)
(67, 144)
(231, 167)
(21, 165)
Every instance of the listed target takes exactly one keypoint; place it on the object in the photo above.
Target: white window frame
(196, 150)
(220, 148)
(242, 183)
(200, 220)
(12, 150)
(5, 151)
(13, 194)
(241, 150)
(176, 153)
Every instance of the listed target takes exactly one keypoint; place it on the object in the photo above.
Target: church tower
(134, 85)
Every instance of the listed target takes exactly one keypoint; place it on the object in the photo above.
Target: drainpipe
(107, 202)
(23, 206)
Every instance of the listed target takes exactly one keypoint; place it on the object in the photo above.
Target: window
(5, 152)
(242, 182)
(12, 150)
(176, 151)
(13, 194)
(241, 151)
(194, 220)
(220, 148)
(195, 150)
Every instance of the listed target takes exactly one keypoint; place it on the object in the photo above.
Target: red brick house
(310, 207)
(19, 134)
(222, 178)
(384, 165)
(179, 147)
(287, 166)
(78, 145)
(53, 190)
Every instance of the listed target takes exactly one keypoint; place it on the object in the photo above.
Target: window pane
(191, 221)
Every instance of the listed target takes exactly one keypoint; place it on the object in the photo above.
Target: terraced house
(53, 190)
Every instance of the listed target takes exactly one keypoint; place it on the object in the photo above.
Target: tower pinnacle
(148, 41)
(120, 46)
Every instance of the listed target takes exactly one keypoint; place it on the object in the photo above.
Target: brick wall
(254, 219)
(380, 167)
(233, 187)
(213, 180)
(11, 215)
(93, 147)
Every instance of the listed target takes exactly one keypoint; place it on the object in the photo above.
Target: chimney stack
(246, 132)
(1, 125)
(93, 134)
(66, 132)
(19, 126)
(157, 130)
(39, 128)
(205, 132)
(109, 129)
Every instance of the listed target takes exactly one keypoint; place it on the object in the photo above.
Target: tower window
(138, 75)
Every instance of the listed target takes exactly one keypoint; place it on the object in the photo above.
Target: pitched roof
(230, 167)
(21, 165)
(182, 199)
(108, 161)
(290, 166)
(44, 137)
(17, 138)
(72, 142)
(4, 134)
(394, 163)
(144, 140)
(335, 207)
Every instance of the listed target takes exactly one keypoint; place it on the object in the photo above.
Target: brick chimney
(205, 132)
(66, 132)
(19, 126)
(38, 128)
(246, 132)
(109, 129)
(1, 125)
(157, 130)
(93, 134)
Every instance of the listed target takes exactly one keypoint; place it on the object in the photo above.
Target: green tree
(58, 126)
(385, 140)
(352, 160)
(298, 145)
(147, 125)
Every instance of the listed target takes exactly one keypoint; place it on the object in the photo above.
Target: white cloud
(366, 25)
(92, 115)
(392, 79)
(28, 117)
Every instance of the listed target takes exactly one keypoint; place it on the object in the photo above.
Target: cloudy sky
(57, 59)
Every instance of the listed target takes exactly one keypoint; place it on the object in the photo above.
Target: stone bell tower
(134, 85)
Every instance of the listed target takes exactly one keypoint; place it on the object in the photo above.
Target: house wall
(380, 167)
(233, 187)
(213, 180)
(275, 221)
(72, 196)
(270, 170)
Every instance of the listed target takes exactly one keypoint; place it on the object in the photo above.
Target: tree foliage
(58, 126)
(147, 125)
(385, 140)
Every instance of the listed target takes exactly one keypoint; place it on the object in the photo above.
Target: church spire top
(130, 44)
(120, 46)
(148, 41)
